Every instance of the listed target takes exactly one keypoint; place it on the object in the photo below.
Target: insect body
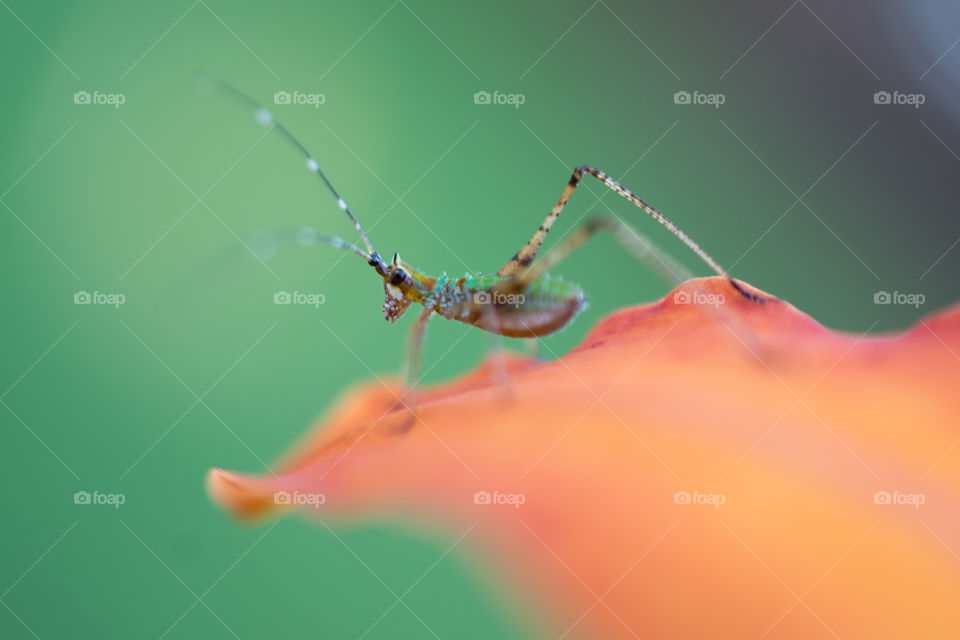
(521, 300)
(543, 307)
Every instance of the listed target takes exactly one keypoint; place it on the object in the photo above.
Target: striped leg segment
(524, 258)
(639, 246)
(645, 252)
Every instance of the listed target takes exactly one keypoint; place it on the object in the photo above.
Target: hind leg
(640, 247)
(522, 260)
(645, 251)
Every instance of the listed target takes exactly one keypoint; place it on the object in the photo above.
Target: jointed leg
(524, 258)
(411, 385)
(644, 251)
(641, 248)
(532, 348)
(499, 372)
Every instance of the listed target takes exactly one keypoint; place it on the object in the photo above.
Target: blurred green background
(199, 368)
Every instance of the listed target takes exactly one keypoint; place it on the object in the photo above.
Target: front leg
(411, 386)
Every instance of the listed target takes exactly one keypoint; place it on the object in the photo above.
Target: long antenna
(267, 241)
(263, 116)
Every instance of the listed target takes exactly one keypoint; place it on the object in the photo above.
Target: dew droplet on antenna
(264, 117)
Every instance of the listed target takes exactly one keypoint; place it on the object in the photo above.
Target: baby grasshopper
(521, 300)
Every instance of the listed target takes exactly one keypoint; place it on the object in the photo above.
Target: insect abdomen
(545, 306)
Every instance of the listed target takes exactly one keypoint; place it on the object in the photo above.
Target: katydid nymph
(521, 300)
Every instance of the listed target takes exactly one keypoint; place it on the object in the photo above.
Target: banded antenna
(265, 243)
(266, 119)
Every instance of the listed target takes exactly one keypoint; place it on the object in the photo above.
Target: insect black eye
(397, 277)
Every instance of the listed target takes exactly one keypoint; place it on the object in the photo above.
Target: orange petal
(699, 467)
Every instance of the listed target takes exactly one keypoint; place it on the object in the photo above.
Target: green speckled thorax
(491, 303)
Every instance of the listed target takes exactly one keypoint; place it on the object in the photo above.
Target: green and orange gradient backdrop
(200, 368)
